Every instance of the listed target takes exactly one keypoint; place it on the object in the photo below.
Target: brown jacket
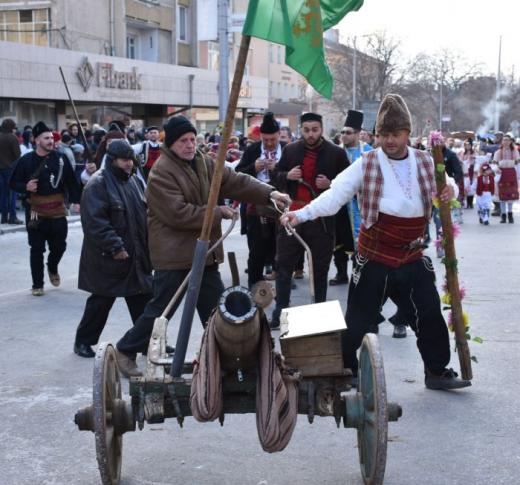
(176, 207)
(9, 150)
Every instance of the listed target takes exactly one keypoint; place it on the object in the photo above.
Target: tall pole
(497, 91)
(354, 74)
(223, 82)
(440, 97)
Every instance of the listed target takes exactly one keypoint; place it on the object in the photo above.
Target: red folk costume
(508, 183)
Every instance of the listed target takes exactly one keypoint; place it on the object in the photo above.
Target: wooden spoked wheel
(372, 430)
(106, 403)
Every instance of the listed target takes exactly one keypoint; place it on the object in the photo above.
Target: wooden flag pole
(450, 261)
(201, 249)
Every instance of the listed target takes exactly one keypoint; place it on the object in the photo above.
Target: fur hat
(269, 124)
(393, 115)
(117, 125)
(354, 119)
(120, 149)
(40, 128)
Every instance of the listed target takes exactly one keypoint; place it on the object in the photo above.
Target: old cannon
(310, 344)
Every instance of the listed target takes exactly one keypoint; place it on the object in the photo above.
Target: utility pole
(223, 83)
(440, 97)
(497, 91)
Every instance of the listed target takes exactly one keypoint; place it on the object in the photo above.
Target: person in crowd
(396, 184)
(148, 151)
(305, 170)
(114, 256)
(44, 176)
(485, 191)
(9, 153)
(285, 135)
(27, 144)
(507, 157)
(259, 160)
(468, 159)
(73, 130)
(177, 196)
(63, 147)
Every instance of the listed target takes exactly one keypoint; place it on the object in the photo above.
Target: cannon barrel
(237, 329)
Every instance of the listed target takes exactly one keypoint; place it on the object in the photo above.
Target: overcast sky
(471, 27)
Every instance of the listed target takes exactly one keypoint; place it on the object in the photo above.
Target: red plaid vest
(370, 194)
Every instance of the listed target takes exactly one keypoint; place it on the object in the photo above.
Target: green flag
(299, 26)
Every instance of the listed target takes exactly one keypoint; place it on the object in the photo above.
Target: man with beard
(396, 184)
(305, 170)
(259, 160)
(177, 196)
(45, 178)
(149, 150)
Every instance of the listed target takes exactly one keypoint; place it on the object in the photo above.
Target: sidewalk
(11, 228)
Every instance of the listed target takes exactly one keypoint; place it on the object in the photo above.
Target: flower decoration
(436, 138)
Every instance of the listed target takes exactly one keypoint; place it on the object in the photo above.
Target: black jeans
(54, 233)
(96, 313)
(165, 284)
(415, 284)
(261, 240)
(289, 252)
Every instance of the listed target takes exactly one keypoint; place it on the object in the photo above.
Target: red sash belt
(392, 240)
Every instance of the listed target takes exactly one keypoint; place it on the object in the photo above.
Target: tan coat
(176, 207)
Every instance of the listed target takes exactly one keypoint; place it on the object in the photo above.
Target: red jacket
(488, 186)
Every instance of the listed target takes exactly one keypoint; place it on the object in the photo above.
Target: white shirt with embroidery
(393, 200)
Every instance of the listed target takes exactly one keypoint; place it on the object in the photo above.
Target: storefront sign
(107, 77)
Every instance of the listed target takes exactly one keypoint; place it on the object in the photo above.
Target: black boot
(502, 219)
(341, 277)
(510, 218)
(496, 209)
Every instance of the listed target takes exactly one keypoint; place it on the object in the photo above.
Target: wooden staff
(201, 249)
(450, 261)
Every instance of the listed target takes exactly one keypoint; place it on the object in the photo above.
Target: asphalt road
(470, 437)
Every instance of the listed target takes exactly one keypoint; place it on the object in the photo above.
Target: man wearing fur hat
(305, 170)
(259, 161)
(46, 179)
(177, 195)
(395, 184)
(148, 151)
(345, 229)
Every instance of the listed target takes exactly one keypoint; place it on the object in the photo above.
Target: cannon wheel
(107, 389)
(373, 430)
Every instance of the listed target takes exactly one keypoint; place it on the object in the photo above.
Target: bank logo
(85, 74)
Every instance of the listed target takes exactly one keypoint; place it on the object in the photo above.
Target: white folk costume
(395, 201)
(470, 171)
(485, 191)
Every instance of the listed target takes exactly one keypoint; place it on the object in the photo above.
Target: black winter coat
(331, 161)
(113, 215)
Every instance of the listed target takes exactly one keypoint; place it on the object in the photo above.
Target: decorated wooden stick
(450, 259)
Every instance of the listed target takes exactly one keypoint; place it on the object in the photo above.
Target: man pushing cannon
(395, 185)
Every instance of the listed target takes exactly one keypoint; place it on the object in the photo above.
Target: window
(271, 53)
(279, 54)
(183, 30)
(271, 89)
(213, 56)
(131, 47)
(25, 26)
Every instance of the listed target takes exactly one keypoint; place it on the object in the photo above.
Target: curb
(6, 229)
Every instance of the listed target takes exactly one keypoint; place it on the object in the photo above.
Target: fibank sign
(106, 76)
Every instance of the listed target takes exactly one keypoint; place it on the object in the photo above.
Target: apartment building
(123, 59)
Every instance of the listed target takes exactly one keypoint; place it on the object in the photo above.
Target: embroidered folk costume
(395, 198)
(506, 158)
(485, 192)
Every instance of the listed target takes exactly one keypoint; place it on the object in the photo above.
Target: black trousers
(289, 252)
(54, 233)
(165, 284)
(96, 313)
(261, 240)
(415, 284)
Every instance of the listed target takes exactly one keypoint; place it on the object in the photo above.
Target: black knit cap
(354, 119)
(311, 117)
(269, 124)
(150, 128)
(175, 128)
(120, 149)
(40, 128)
